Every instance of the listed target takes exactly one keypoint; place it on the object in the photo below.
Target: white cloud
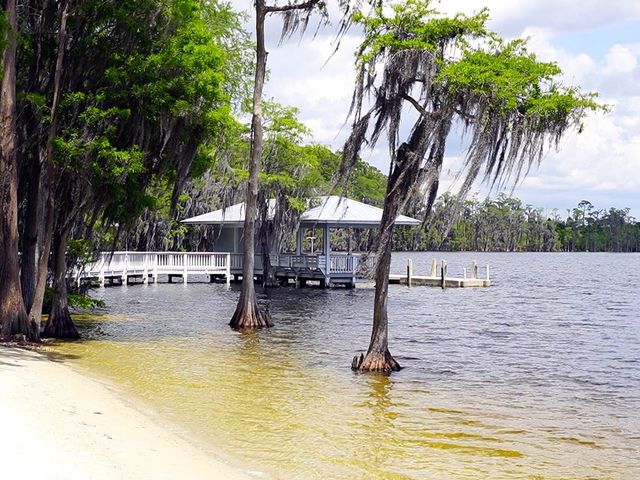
(603, 162)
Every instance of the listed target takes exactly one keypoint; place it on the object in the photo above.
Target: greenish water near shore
(535, 385)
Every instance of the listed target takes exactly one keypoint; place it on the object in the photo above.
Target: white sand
(57, 424)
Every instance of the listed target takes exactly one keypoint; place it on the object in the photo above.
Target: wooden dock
(438, 277)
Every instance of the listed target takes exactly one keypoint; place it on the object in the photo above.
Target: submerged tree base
(18, 327)
(61, 326)
(381, 362)
(250, 315)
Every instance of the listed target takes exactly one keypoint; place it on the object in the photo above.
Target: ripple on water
(535, 377)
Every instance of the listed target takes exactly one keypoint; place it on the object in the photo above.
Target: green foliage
(4, 29)
(76, 301)
(413, 25)
(514, 79)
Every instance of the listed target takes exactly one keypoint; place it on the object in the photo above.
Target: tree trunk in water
(378, 358)
(60, 324)
(268, 274)
(35, 311)
(248, 313)
(13, 315)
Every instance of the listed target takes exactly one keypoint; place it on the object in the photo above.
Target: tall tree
(13, 315)
(509, 103)
(248, 313)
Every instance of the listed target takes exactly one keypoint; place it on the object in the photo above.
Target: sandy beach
(57, 424)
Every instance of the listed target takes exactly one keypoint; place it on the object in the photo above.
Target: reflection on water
(536, 377)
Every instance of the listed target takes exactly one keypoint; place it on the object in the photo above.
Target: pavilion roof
(334, 211)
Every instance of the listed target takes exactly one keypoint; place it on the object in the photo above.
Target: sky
(595, 42)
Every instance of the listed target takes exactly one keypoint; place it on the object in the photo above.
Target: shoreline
(57, 423)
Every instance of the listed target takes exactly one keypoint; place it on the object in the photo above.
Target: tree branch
(296, 6)
(419, 107)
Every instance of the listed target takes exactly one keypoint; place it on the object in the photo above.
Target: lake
(536, 377)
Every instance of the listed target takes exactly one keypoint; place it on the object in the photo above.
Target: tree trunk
(378, 358)
(268, 273)
(35, 311)
(60, 324)
(13, 315)
(248, 313)
(30, 250)
(403, 170)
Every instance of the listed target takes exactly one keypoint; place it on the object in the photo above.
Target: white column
(184, 266)
(327, 248)
(236, 240)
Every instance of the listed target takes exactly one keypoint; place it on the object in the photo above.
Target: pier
(122, 268)
(439, 277)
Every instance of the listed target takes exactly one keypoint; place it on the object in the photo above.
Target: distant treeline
(504, 224)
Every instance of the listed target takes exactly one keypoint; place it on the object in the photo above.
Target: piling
(434, 268)
(443, 274)
(409, 271)
(474, 269)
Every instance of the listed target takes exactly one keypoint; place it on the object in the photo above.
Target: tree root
(19, 327)
(381, 362)
(250, 315)
(60, 325)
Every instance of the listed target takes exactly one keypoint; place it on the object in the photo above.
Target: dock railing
(151, 264)
(340, 263)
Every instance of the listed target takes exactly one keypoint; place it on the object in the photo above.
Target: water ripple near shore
(535, 377)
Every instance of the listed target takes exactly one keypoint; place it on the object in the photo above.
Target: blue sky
(596, 43)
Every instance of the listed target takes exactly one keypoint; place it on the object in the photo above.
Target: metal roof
(342, 211)
(232, 216)
(334, 210)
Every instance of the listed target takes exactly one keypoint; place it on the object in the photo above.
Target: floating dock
(440, 278)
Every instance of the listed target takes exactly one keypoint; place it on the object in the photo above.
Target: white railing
(280, 260)
(152, 264)
(342, 264)
(124, 264)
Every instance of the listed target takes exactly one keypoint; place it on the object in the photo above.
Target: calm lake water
(536, 377)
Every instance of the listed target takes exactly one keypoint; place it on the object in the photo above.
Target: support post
(184, 268)
(474, 269)
(101, 278)
(409, 271)
(154, 268)
(228, 272)
(487, 272)
(299, 236)
(124, 279)
(443, 274)
(327, 252)
(434, 268)
(145, 275)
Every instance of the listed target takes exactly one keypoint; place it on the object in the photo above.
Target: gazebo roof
(334, 211)
(230, 216)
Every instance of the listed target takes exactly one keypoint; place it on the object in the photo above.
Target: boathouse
(309, 261)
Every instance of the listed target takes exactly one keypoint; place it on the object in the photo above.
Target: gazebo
(328, 267)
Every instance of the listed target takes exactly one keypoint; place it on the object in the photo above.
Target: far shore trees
(447, 71)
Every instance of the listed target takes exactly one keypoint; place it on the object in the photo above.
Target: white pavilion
(321, 263)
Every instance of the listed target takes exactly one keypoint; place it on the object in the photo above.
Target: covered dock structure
(310, 261)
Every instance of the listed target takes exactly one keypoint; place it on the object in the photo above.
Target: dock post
(464, 273)
(487, 272)
(474, 269)
(434, 268)
(184, 267)
(443, 274)
(409, 271)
